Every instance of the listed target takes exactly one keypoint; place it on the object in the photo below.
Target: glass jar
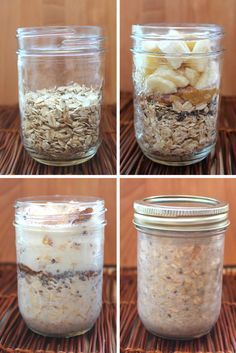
(61, 74)
(59, 244)
(176, 75)
(180, 263)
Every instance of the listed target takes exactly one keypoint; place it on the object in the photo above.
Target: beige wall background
(12, 189)
(222, 12)
(27, 13)
(134, 189)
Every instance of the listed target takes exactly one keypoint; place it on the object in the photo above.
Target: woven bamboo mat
(221, 161)
(15, 337)
(135, 339)
(15, 160)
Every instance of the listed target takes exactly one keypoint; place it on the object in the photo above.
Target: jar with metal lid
(176, 75)
(180, 263)
(61, 74)
(59, 244)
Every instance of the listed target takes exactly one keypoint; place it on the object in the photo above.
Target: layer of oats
(62, 304)
(61, 122)
(179, 284)
(171, 127)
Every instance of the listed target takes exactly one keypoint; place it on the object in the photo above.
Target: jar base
(175, 163)
(180, 338)
(63, 163)
(69, 335)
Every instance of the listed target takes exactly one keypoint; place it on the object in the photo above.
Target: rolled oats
(61, 123)
(175, 129)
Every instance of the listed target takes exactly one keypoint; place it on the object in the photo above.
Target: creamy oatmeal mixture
(60, 266)
(176, 98)
(179, 284)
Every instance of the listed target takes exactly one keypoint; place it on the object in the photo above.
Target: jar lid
(181, 213)
(59, 211)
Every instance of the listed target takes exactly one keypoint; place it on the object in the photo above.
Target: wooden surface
(12, 189)
(134, 338)
(29, 13)
(15, 160)
(15, 337)
(135, 189)
(221, 161)
(196, 11)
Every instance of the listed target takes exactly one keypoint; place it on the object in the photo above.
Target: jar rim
(59, 199)
(181, 213)
(60, 40)
(194, 31)
(92, 31)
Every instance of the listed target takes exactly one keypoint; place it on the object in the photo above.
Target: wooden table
(15, 160)
(221, 161)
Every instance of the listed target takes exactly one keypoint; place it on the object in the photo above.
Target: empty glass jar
(59, 243)
(180, 263)
(61, 74)
(176, 75)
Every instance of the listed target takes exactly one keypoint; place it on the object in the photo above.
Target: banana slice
(200, 63)
(176, 47)
(167, 73)
(209, 77)
(192, 75)
(157, 84)
(149, 63)
(151, 46)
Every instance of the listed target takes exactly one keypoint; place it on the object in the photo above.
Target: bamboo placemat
(221, 161)
(15, 337)
(15, 160)
(135, 339)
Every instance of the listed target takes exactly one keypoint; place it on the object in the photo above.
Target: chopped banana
(146, 63)
(157, 84)
(199, 63)
(151, 46)
(202, 46)
(209, 77)
(176, 47)
(174, 76)
(149, 63)
(192, 75)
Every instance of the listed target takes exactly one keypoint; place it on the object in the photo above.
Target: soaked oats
(179, 284)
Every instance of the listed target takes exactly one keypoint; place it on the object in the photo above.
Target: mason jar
(59, 244)
(176, 76)
(180, 262)
(60, 74)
